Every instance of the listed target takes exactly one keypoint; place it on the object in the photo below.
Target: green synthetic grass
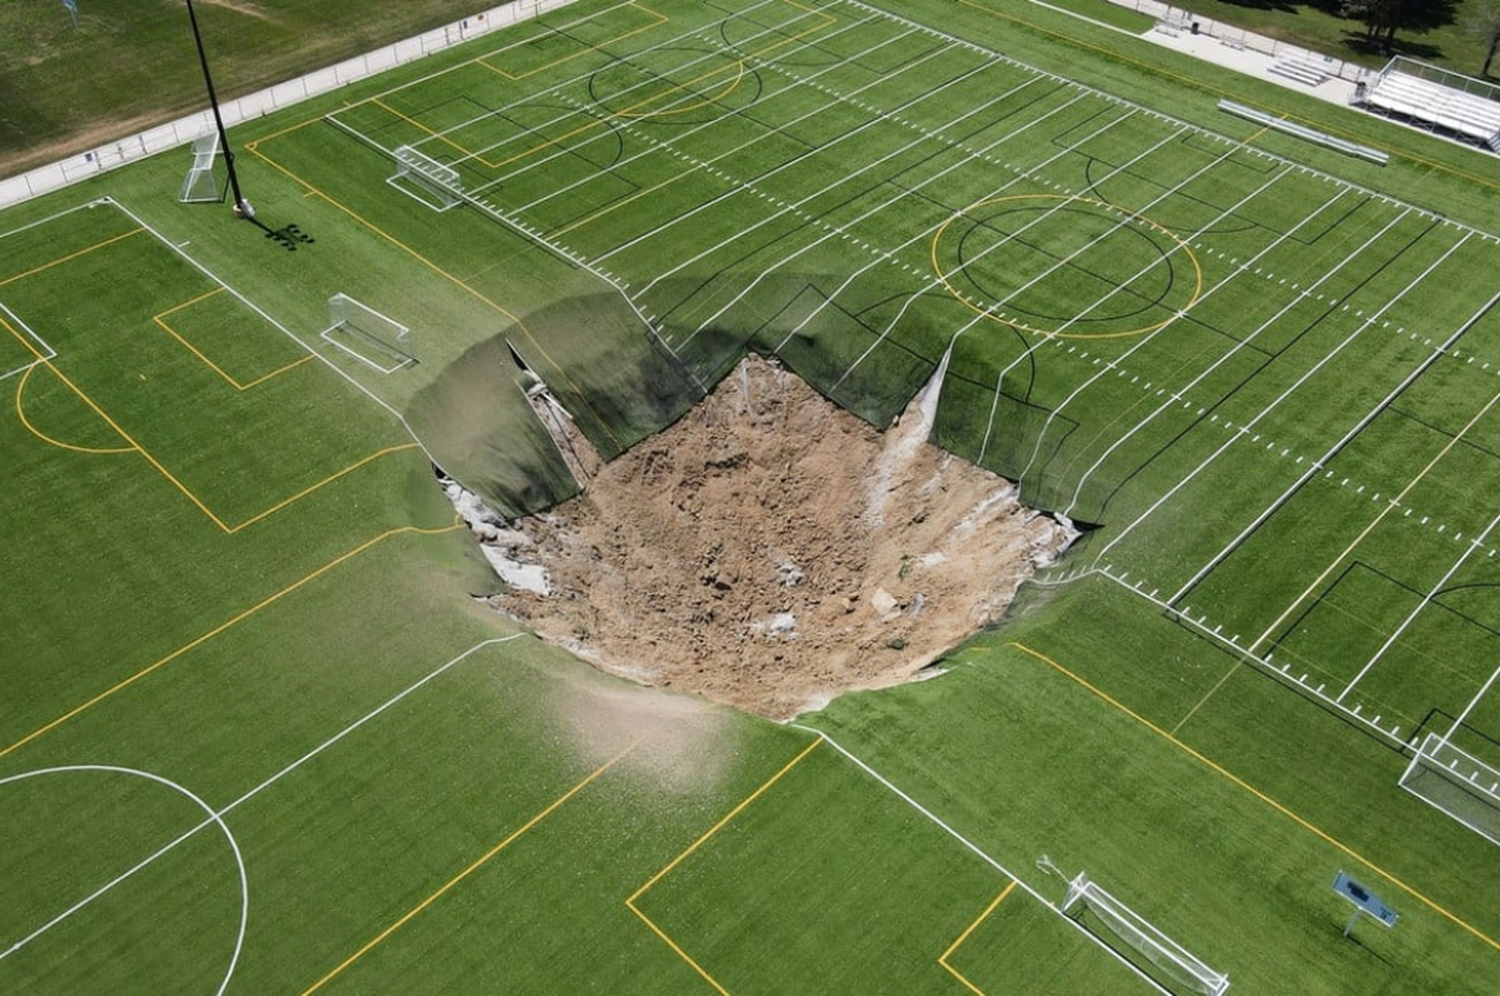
(413, 822)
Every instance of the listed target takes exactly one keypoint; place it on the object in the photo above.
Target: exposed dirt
(770, 550)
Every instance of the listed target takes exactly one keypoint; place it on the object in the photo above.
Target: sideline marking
(562, 30)
(473, 867)
(943, 958)
(631, 900)
(1214, 766)
(229, 623)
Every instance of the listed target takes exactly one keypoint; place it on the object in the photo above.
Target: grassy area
(243, 658)
(131, 64)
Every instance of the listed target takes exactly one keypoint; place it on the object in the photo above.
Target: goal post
(205, 179)
(1184, 972)
(374, 339)
(422, 177)
(1456, 783)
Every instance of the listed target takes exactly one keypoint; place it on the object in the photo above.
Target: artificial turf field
(257, 737)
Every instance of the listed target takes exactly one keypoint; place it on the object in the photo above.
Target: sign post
(1365, 903)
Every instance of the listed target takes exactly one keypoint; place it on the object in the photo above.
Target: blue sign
(1364, 899)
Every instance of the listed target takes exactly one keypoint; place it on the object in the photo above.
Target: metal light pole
(242, 207)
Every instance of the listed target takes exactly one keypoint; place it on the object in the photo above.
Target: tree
(1483, 23)
(1383, 18)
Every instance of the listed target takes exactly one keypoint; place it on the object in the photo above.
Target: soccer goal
(370, 337)
(1178, 967)
(1454, 781)
(420, 176)
(205, 180)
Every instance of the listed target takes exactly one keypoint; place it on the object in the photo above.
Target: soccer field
(258, 736)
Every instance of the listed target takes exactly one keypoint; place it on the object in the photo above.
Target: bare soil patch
(771, 550)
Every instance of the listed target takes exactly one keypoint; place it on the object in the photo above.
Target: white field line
(762, 136)
(1432, 592)
(647, 82)
(1332, 451)
(216, 817)
(1177, 395)
(890, 256)
(978, 852)
(556, 88)
(1459, 721)
(1143, 341)
(1243, 429)
(747, 188)
(15, 322)
(86, 206)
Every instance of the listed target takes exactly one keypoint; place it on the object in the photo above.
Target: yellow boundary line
(1219, 769)
(132, 444)
(1198, 84)
(943, 958)
(661, 19)
(227, 624)
(473, 866)
(161, 319)
(630, 903)
(1379, 518)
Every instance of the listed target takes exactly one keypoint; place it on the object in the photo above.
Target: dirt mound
(770, 550)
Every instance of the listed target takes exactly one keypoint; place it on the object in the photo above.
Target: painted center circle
(1067, 266)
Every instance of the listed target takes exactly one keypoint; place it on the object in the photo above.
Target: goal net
(205, 180)
(420, 176)
(1454, 781)
(367, 335)
(1177, 967)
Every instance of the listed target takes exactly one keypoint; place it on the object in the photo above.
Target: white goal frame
(426, 180)
(1456, 783)
(361, 331)
(202, 185)
(1156, 947)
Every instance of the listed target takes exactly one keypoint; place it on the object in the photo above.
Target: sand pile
(770, 550)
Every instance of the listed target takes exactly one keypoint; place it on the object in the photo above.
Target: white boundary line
(216, 816)
(16, 322)
(971, 846)
(327, 336)
(213, 819)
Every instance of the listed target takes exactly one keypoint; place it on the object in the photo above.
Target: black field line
(561, 86)
(645, 153)
(1177, 394)
(533, 162)
(794, 207)
(1145, 340)
(1333, 450)
(646, 82)
(926, 233)
(890, 256)
(1476, 543)
(1244, 429)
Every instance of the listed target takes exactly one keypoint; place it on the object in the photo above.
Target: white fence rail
(44, 179)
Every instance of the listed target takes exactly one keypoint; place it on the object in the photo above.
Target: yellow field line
(254, 149)
(474, 866)
(227, 624)
(161, 320)
(21, 414)
(1219, 769)
(943, 958)
(71, 256)
(630, 902)
(327, 480)
(1379, 518)
(483, 60)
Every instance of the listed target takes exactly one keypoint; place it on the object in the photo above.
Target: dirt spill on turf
(771, 551)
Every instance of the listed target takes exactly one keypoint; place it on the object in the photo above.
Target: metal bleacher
(1425, 93)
